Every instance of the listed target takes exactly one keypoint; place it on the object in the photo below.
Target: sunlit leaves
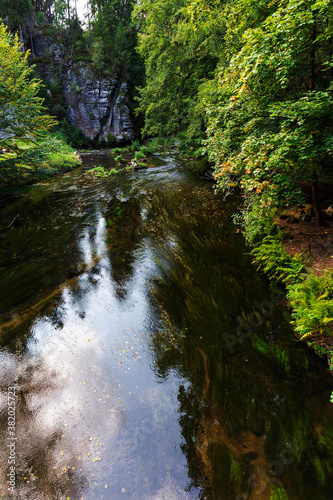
(21, 111)
(266, 128)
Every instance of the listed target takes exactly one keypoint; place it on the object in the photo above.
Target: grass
(28, 162)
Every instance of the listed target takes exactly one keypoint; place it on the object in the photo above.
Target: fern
(273, 260)
(312, 303)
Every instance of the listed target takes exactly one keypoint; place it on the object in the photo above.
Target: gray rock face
(97, 106)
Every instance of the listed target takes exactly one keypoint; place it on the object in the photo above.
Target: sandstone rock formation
(96, 105)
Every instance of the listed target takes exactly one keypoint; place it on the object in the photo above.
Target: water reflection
(129, 381)
(247, 427)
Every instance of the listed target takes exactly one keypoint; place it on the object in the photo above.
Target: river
(142, 356)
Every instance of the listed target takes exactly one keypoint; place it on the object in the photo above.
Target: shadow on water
(148, 357)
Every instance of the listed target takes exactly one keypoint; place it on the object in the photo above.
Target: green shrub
(256, 222)
(135, 145)
(75, 87)
(151, 146)
(101, 172)
(71, 135)
(111, 139)
(139, 155)
(118, 159)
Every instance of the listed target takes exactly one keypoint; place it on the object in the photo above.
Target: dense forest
(249, 85)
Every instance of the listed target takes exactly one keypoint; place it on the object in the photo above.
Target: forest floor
(314, 242)
(304, 235)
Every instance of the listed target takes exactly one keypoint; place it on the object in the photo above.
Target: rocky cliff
(97, 105)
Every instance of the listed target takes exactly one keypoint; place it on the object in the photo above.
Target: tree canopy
(252, 81)
(21, 110)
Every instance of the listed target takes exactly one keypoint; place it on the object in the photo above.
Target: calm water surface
(149, 359)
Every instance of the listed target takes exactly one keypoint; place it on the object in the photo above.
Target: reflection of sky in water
(92, 392)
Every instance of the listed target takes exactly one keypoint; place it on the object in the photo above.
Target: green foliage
(97, 55)
(115, 150)
(139, 155)
(178, 57)
(23, 122)
(15, 12)
(111, 139)
(278, 493)
(152, 146)
(312, 303)
(254, 79)
(135, 145)
(257, 223)
(60, 12)
(101, 172)
(71, 135)
(115, 38)
(34, 162)
(276, 263)
(21, 111)
(40, 18)
(118, 159)
(270, 107)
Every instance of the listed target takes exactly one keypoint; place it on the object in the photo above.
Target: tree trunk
(21, 40)
(315, 197)
(330, 41)
(313, 53)
(89, 27)
(315, 200)
(49, 12)
(69, 12)
(32, 43)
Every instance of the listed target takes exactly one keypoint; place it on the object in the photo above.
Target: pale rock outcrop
(96, 105)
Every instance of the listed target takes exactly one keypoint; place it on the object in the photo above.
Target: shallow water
(149, 359)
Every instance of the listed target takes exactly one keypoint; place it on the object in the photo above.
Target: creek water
(148, 358)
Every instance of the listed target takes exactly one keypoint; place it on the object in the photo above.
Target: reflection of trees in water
(245, 426)
(123, 223)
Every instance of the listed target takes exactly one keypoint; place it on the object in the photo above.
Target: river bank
(24, 164)
(315, 244)
(295, 251)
